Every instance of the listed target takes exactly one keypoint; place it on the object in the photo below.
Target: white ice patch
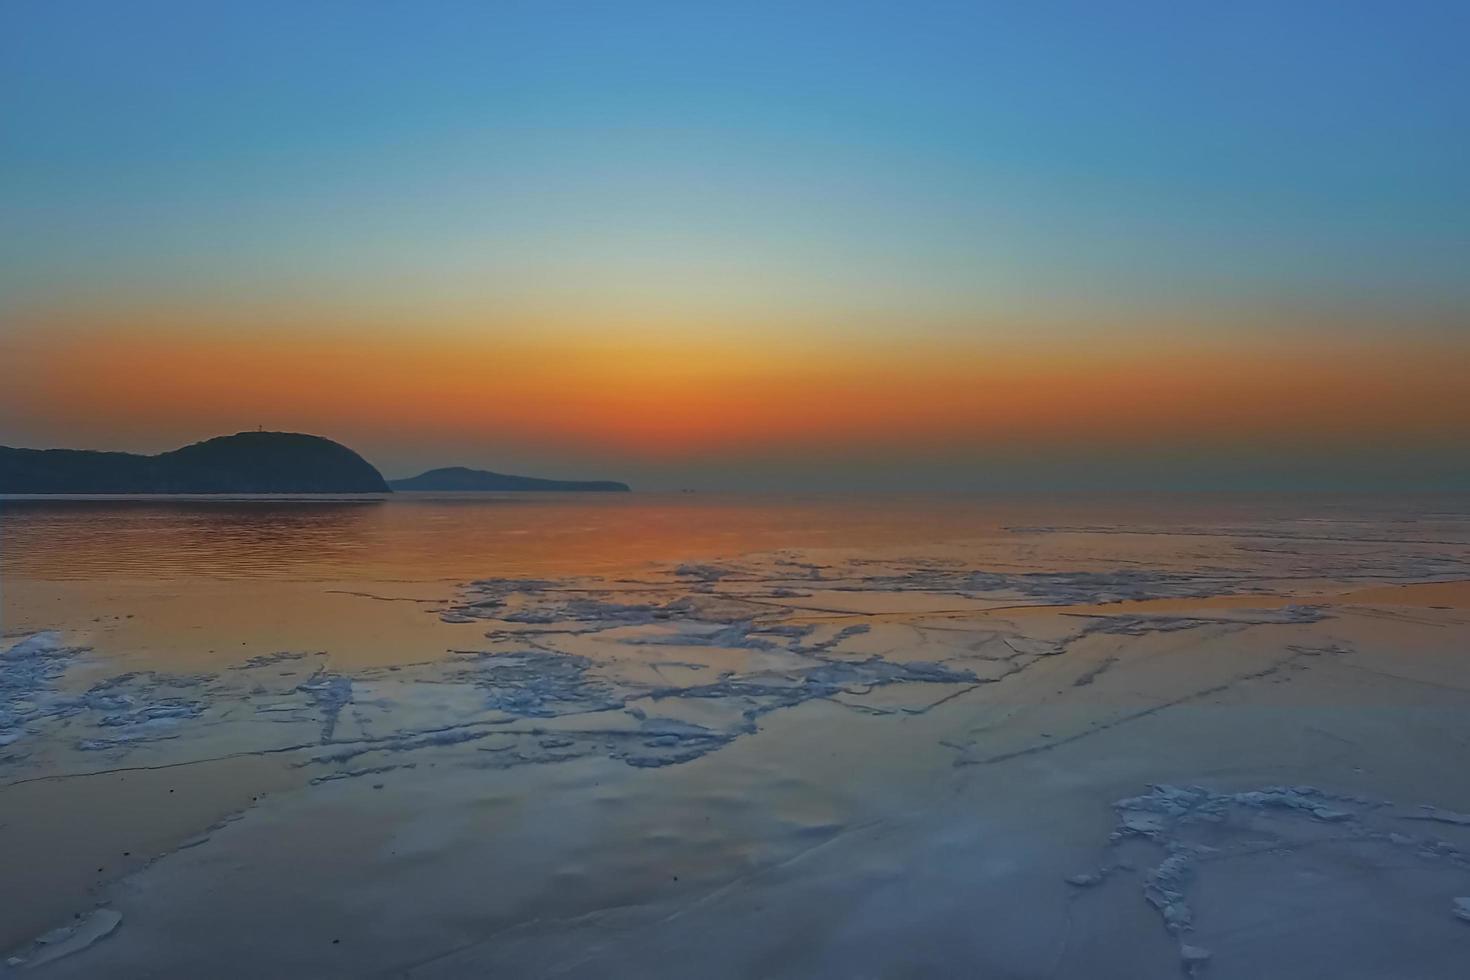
(65, 940)
(1197, 828)
(29, 670)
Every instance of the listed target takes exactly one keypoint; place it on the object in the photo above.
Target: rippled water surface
(430, 537)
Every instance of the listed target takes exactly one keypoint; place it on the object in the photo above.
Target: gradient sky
(904, 245)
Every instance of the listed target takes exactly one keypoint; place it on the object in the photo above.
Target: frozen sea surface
(739, 738)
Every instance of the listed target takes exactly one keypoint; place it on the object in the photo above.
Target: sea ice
(1440, 816)
(68, 939)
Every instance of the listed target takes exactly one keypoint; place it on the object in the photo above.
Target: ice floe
(65, 940)
(1196, 828)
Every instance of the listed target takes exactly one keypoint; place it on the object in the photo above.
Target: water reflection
(160, 538)
(433, 537)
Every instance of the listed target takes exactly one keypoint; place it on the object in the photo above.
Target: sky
(957, 246)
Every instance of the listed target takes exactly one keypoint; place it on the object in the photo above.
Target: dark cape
(248, 462)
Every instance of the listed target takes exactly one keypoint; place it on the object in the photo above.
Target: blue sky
(748, 201)
(892, 156)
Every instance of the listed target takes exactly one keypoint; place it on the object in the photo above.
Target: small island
(247, 462)
(461, 479)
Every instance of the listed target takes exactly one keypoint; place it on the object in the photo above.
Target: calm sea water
(433, 537)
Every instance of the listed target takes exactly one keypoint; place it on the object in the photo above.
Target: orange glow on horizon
(665, 395)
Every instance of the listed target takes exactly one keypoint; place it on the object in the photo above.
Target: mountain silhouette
(247, 462)
(462, 479)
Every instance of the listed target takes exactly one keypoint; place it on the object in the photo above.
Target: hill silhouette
(462, 479)
(247, 462)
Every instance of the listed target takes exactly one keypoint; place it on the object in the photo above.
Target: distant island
(462, 479)
(247, 462)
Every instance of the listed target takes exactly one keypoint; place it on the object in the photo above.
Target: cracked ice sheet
(1297, 855)
(736, 669)
(549, 656)
(761, 654)
(835, 860)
